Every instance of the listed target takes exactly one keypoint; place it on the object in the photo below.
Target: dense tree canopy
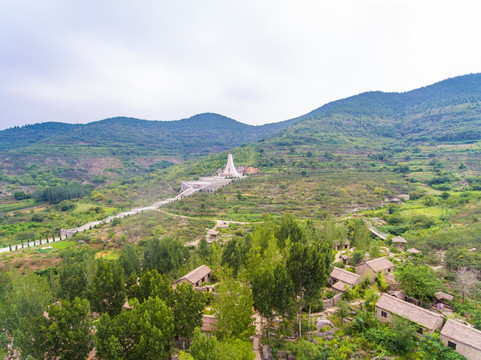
(233, 309)
(420, 282)
(166, 255)
(188, 307)
(107, 293)
(64, 334)
(76, 273)
(152, 284)
(146, 331)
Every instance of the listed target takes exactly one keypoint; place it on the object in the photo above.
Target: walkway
(68, 233)
(376, 231)
(257, 338)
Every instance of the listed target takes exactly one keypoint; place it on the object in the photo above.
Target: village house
(197, 276)
(427, 321)
(373, 267)
(464, 339)
(345, 259)
(400, 242)
(340, 278)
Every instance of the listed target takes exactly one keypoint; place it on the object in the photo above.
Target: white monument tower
(230, 170)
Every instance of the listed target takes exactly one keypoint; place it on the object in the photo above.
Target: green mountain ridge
(202, 133)
(447, 111)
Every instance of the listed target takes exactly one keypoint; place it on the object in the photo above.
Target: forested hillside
(200, 134)
(119, 148)
(448, 111)
(35, 156)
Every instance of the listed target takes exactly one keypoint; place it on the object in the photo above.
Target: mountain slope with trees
(448, 111)
(200, 134)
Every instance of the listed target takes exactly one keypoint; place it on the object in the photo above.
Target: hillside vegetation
(203, 133)
(448, 111)
(406, 163)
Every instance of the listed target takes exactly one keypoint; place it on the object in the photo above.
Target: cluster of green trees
(400, 338)
(56, 194)
(287, 264)
(50, 315)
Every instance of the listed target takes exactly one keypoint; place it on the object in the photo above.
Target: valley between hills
(279, 257)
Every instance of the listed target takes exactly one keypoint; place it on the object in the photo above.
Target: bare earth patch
(97, 165)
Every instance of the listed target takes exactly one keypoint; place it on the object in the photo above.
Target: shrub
(20, 195)
(306, 350)
(65, 206)
(357, 257)
(363, 321)
(400, 339)
(329, 294)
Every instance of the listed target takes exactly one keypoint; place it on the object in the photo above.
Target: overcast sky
(252, 60)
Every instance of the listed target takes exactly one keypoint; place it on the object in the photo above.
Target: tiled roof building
(373, 267)
(197, 276)
(387, 306)
(462, 338)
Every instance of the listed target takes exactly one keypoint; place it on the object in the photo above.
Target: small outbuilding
(427, 321)
(400, 295)
(212, 235)
(394, 285)
(197, 276)
(342, 245)
(345, 259)
(373, 267)
(464, 339)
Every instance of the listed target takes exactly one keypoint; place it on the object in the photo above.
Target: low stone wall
(333, 301)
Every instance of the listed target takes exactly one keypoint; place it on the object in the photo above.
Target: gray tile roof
(409, 311)
(380, 264)
(462, 333)
(399, 240)
(197, 274)
(443, 296)
(345, 276)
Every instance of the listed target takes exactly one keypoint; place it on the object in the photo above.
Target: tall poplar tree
(188, 305)
(107, 293)
(306, 265)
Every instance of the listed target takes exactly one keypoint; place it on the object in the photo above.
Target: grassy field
(107, 255)
(314, 186)
(17, 205)
(63, 244)
(29, 225)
